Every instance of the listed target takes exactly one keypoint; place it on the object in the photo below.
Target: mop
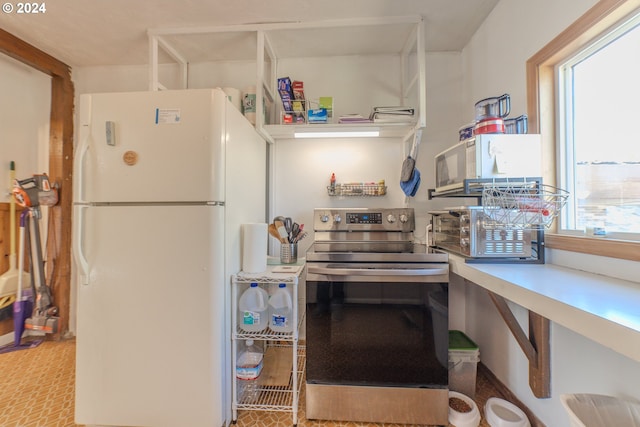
(23, 306)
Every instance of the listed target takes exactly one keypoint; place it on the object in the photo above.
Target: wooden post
(60, 163)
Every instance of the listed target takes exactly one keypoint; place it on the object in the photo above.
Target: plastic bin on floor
(596, 410)
(439, 302)
(463, 363)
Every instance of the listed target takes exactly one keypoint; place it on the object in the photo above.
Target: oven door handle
(330, 271)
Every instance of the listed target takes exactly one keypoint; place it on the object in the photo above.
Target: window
(598, 140)
(579, 109)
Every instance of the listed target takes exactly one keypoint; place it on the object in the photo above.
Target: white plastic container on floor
(596, 410)
(281, 310)
(253, 309)
(501, 413)
(248, 369)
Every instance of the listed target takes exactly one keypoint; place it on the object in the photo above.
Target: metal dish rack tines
(524, 205)
(362, 190)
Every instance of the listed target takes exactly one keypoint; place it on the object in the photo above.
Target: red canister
(492, 125)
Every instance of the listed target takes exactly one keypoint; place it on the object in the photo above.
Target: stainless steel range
(377, 328)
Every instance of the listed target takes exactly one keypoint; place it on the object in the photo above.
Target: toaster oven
(467, 231)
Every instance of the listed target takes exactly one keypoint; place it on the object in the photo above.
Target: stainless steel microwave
(488, 156)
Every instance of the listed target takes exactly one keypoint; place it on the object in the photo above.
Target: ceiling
(114, 32)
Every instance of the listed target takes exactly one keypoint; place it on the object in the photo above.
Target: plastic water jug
(281, 310)
(252, 307)
(248, 369)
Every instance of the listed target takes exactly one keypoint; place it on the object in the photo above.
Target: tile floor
(37, 386)
(37, 390)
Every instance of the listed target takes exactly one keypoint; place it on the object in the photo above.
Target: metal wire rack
(524, 204)
(277, 398)
(362, 190)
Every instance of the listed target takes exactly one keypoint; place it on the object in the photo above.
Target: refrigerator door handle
(78, 252)
(78, 181)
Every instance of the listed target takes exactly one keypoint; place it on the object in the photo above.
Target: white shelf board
(601, 308)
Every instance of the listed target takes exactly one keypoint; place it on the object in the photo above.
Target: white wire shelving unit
(275, 398)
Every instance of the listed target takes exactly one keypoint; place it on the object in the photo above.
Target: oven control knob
(324, 218)
(464, 232)
(391, 218)
(464, 243)
(464, 219)
(404, 218)
(337, 218)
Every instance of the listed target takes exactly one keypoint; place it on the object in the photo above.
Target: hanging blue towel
(410, 187)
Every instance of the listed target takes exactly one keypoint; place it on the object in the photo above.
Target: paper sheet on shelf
(278, 363)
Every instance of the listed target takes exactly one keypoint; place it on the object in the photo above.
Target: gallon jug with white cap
(281, 310)
(252, 307)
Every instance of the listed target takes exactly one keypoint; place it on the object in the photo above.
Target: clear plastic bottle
(281, 310)
(248, 369)
(253, 309)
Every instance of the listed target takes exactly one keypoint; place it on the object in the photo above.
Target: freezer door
(152, 146)
(150, 316)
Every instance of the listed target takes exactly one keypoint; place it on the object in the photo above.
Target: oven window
(377, 334)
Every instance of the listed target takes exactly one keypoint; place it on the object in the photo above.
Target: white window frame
(564, 136)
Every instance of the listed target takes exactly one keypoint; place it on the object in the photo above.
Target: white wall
(304, 167)
(24, 121)
(494, 63)
(24, 129)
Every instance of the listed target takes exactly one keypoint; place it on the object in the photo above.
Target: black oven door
(377, 325)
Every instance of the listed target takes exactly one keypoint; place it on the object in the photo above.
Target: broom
(9, 280)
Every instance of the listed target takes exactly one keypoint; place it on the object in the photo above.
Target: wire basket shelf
(361, 190)
(524, 205)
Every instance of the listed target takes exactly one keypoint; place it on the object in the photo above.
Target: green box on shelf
(326, 102)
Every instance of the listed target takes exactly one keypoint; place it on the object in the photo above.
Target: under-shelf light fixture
(360, 133)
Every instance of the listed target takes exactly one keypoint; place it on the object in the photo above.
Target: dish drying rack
(502, 200)
(527, 205)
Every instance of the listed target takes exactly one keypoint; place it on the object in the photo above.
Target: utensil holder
(288, 253)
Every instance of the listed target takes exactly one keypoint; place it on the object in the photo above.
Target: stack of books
(391, 114)
(354, 118)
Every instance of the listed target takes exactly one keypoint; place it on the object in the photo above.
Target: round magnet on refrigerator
(130, 158)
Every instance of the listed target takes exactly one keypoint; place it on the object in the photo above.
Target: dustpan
(9, 279)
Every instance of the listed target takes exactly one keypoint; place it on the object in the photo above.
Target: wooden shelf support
(536, 346)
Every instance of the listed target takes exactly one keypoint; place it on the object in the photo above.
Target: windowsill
(622, 249)
(604, 309)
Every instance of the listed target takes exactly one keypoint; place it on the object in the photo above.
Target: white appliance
(488, 156)
(163, 182)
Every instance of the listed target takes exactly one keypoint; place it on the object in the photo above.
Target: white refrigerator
(162, 183)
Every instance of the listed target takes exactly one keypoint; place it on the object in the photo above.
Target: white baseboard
(6, 339)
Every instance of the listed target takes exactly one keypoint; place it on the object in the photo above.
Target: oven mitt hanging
(407, 169)
(410, 187)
